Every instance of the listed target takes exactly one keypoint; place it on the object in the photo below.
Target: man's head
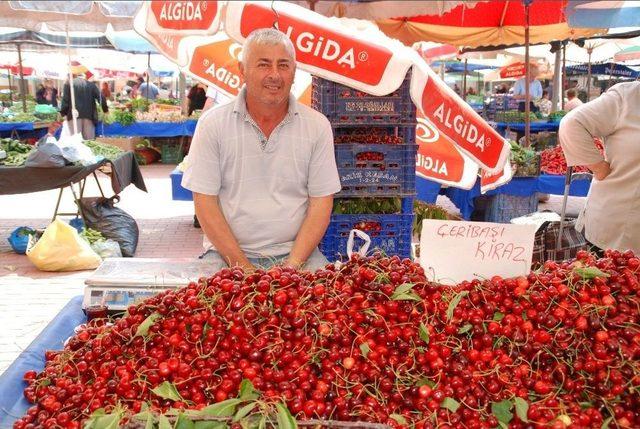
(48, 83)
(533, 70)
(545, 94)
(268, 66)
(571, 93)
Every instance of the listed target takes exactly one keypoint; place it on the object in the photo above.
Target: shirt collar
(240, 105)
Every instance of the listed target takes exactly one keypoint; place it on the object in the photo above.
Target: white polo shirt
(263, 185)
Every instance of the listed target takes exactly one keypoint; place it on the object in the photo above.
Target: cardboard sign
(439, 160)
(456, 119)
(323, 46)
(454, 251)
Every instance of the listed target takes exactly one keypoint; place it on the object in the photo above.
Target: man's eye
(284, 66)
(263, 65)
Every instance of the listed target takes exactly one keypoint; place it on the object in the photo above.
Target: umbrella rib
(504, 13)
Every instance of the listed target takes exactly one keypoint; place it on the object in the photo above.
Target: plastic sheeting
(148, 129)
(12, 401)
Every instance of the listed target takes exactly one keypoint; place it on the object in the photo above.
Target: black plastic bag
(114, 223)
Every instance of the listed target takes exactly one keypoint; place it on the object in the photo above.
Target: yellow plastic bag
(61, 249)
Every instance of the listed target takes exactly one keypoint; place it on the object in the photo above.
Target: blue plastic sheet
(12, 402)
(518, 186)
(18, 126)
(535, 127)
(148, 129)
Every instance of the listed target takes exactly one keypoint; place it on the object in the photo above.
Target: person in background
(456, 88)
(197, 98)
(105, 92)
(611, 216)
(148, 90)
(40, 94)
(535, 89)
(86, 96)
(254, 212)
(214, 98)
(47, 94)
(572, 100)
(544, 104)
(502, 89)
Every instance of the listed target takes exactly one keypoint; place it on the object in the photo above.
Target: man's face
(268, 72)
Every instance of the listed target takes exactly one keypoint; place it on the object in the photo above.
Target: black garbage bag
(114, 223)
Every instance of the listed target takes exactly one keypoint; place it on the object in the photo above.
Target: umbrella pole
(589, 50)
(72, 92)
(527, 93)
(22, 85)
(564, 72)
(464, 81)
(557, 80)
(10, 85)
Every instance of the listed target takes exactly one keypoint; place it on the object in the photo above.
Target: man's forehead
(270, 52)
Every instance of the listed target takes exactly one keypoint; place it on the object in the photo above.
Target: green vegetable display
(428, 211)
(17, 153)
(525, 161)
(367, 206)
(107, 151)
(556, 116)
(91, 235)
(124, 117)
(513, 116)
(169, 101)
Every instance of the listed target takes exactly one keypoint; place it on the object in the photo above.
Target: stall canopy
(459, 67)
(609, 69)
(53, 40)
(628, 54)
(72, 15)
(603, 14)
(372, 10)
(495, 23)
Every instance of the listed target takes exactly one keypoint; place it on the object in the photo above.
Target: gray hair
(268, 36)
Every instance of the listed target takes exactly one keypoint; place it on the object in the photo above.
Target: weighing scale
(121, 282)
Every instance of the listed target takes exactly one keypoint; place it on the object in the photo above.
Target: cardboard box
(124, 143)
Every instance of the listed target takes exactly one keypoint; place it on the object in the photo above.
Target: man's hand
(600, 170)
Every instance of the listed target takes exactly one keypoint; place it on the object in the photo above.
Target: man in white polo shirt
(262, 167)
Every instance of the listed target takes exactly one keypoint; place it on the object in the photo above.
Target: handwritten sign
(453, 251)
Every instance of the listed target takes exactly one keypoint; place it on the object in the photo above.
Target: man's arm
(598, 118)
(217, 230)
(312, 230)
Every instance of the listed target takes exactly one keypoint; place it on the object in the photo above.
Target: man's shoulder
(310, 115)
(219, 115)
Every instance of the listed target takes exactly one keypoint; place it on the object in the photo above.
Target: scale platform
(121, 282)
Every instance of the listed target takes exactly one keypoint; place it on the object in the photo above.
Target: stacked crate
(375, 149)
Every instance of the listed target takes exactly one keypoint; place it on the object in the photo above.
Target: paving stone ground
(30, 298)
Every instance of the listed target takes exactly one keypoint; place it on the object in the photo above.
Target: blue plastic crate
(501, 208)
(178, 193)
(343, 105)
(376, 170)
(393, 235)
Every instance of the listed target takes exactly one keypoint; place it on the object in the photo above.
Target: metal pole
(564, 72)
(23, 88)
(589, 50)
(148, 73)
(72, 92)
(527, 94)
(557, 80)
(10, 85)
(464, 81)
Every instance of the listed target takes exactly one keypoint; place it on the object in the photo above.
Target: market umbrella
(628, 54)
(66, 16)
(494, 23)
(372, 10)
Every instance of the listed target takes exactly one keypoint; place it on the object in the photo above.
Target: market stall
(376, 341)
